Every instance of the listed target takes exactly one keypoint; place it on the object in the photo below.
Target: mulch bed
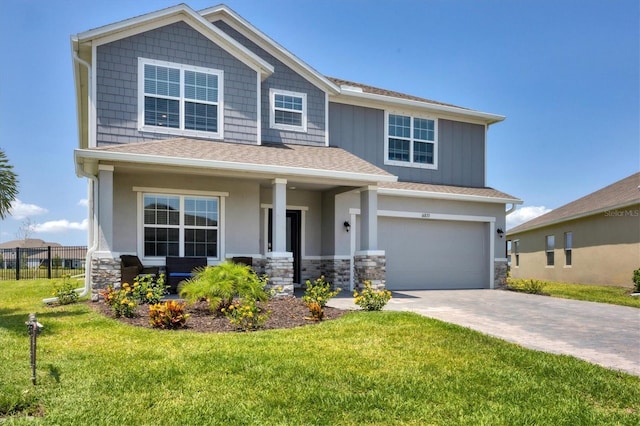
(286, 312)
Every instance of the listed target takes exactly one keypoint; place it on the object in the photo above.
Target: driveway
(608, 335)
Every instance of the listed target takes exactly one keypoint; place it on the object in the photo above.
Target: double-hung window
(516, 252)
(179, 225)
(179, 99)
(568, 245)
(288, 110)
(411, 141)
(550, 246)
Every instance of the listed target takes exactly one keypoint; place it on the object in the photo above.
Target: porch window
(175, 225)
(411, 141)
(179, 99)
(288, 110)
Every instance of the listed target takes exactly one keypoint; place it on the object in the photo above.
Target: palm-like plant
(219, 284)
(8, 185)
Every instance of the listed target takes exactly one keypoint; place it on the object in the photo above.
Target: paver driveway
(608, 335)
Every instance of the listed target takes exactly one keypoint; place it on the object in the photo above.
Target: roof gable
(160, 18)
(622, 193)
(244, 27)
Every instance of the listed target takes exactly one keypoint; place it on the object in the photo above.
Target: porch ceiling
(305, 167)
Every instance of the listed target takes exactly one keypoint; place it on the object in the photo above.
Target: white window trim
(272, 110)
(159, 260)
(411, 163)
(180, 131)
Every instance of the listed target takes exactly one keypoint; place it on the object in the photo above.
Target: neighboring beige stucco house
(592, 240)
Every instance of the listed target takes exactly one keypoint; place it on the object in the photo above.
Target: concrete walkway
(608, 335)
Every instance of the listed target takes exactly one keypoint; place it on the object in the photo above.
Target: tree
(8, 185)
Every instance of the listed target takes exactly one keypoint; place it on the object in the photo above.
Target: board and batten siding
(117, 83)
(461, 146)
(284, 78)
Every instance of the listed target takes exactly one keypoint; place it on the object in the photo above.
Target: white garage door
(434, 254)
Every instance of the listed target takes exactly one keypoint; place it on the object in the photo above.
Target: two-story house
(202, 136)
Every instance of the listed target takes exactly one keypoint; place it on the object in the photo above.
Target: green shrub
(219, 284)
(246, 315)
(636, 280)
(65, 291)
(168, 315)
(121, 300)
(316, 296)
(526, 286)
(370, 299)
(147, 291)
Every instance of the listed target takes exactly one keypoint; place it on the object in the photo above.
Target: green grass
(365, 368)
(592, 293)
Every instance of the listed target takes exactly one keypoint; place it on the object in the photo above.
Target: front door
(293, 238)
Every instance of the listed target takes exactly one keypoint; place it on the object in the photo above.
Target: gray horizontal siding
(461, 151)
(117, 83)
(284, 78)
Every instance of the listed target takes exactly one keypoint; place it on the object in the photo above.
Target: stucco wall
(606, 250)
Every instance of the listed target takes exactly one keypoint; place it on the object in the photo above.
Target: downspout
(93, 224)
(511, 210)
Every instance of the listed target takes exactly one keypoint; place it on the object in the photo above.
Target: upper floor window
(288, 110)
(411, 141)
(179, 99)
(550, 246)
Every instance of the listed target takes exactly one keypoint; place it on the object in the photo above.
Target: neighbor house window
(288, 110)
(411, 141)
(516, 252)
(175, 225)
(550, 245)
(568, 245)
(179, 99)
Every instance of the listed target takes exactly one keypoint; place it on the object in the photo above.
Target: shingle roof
(378, 91)
(621, 193)
(328, 159)
(28, 243)
(449, 189)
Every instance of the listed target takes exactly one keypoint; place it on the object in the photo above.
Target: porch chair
(131, 267)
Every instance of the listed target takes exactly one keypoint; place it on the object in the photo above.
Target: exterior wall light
(347, 226)
(500, 232)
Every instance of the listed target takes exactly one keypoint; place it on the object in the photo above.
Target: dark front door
(293, 238)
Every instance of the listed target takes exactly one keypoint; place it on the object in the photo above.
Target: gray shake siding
(284, 78)
(117, 82)
(461, 159)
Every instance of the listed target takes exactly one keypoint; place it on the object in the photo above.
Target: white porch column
(279, 226)
(105, 209)
(369, 218)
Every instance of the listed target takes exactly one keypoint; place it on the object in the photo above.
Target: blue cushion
(181, 274)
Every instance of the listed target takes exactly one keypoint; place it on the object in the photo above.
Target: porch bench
(179, 269)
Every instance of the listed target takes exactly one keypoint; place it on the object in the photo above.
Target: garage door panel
(433, 254)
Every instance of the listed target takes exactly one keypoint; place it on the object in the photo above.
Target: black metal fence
(42, 262)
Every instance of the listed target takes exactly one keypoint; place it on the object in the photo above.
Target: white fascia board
(181, 12)
(269, 45)
(361, 178)
(446, 196)
(574, 217)
(384, 102)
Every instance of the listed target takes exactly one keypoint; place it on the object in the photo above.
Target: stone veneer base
(370, 268)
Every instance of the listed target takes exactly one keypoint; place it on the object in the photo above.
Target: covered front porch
(277, 208)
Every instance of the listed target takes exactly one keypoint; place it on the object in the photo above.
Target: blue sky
(565, 73)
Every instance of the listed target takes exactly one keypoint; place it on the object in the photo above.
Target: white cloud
(20, 210)
(525, 214)
(83, 202)
(57, 226)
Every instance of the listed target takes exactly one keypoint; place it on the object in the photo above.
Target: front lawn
(592, 293)
(364, 368)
